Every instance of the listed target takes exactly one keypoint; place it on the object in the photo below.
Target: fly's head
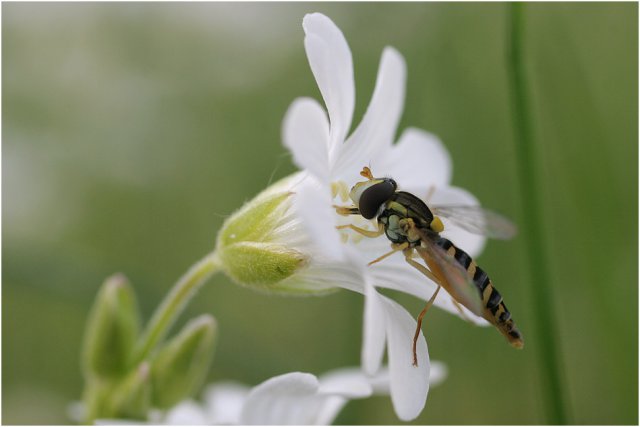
(371, 194)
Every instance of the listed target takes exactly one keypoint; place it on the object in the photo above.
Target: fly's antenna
(366, 172)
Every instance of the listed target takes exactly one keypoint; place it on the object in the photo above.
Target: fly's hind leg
(419, 325)
(408, 253)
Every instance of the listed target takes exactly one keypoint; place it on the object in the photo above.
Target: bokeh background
(131, 130)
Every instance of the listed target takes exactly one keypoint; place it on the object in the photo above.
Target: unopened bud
(181, 366)
(251, 247)
(111, 331)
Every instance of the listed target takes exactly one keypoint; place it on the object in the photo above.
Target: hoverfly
(412, 228)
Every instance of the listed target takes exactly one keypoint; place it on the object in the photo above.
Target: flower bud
(112, 328)
(181, 365)
(253, 246)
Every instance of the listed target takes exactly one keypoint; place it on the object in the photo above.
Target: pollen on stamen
(340, 188)
(334, 189)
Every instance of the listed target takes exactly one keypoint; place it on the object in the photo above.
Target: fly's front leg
(346, 210)
(363, 231)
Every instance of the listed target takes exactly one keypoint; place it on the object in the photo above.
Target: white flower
(291, 399)
(332, 162)
(295, 398)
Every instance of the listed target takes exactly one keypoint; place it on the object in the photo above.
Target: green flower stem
(174, 303)
(549, 353)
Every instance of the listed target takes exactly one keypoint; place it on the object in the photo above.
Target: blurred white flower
(295, 398)
(332, 162)
(291, 399)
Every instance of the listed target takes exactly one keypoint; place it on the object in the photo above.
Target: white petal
(186, 413)
(330, 60)
(348, 382)
(374, 332)
(329, 410)
(312, 202)
(418, 160)
(409, 384)
(381, 382)
(305, 133)
(281, 400)
(292, 399)
(376, 131)
(471, 243)
(224, 401)
(329, 275)
(438, 373)
(338, 385)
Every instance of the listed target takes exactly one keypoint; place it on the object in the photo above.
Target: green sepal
(111, 331)
(260, 265)
(255, 221)
(180, 367)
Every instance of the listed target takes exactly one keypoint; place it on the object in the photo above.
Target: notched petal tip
(330, 60)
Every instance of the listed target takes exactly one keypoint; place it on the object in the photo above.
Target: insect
(412, 228)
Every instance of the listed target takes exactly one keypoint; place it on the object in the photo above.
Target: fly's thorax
(406, 207)
(398, 226)
(369, 196)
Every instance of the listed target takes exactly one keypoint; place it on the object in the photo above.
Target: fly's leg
(419, 325)
(395, 248)
(346, 211)
(408, 254)
(363, 231)
(424, 270)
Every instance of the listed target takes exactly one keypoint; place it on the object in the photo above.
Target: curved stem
(174, 303)
(549, 354)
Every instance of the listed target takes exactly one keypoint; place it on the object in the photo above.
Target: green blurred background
(131, 131)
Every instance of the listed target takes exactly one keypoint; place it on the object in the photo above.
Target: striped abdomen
(494, 309)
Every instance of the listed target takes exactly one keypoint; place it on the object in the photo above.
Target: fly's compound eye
(373, 197)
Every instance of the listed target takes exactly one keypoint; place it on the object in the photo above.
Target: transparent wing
(452, 276)
(477, 220)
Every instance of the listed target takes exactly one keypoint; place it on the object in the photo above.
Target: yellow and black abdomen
(495, 311)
